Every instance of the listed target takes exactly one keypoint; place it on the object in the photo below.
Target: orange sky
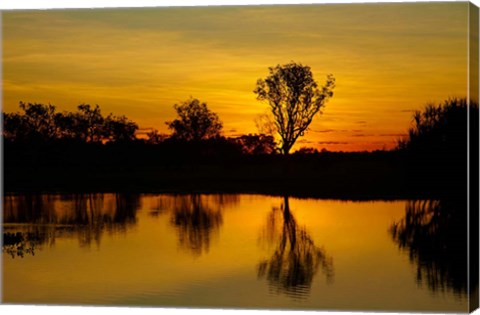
(388, 60)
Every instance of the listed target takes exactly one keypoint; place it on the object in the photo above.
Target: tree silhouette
(67, 126)
(296, 258)
(195, 121)
(436, 146)
(119, 128)
(155, 137)
(256, 144)
(41, 123)
(440, 128)
(36, 123)
(13, 128)
(294, 98)
(89, 123)
(265, 124)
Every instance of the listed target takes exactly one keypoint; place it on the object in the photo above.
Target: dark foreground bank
(137, 167)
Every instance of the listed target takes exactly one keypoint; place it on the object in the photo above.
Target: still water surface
(232, 251)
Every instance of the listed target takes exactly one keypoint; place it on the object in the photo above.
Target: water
(231, 251)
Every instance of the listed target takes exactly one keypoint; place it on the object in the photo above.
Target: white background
(62, 310)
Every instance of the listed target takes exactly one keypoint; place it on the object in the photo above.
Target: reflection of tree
(296, 258)
(97, 213)
(29, 208)
(195, 221)
(43, 218)
(195, 217)
(434, 232)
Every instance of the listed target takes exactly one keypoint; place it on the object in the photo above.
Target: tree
(67, 123)
(119, 128)
(265, 124)
(14, 128)
(441, 128)
(37, 122)
(294, 98)
(256, 144)
(89, 123)
(195, 121)
(154, 137)
(41, 123)
(436, 148)
(306, 150)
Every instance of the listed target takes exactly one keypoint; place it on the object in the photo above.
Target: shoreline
(348, 191)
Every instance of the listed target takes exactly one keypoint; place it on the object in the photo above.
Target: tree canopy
(441, 127)
(294, 98)
(437, 146)
(195, 121)
(42, 123)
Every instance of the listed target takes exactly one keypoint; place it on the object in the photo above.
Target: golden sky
(388, 60)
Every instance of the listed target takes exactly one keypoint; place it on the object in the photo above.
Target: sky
(388, 61)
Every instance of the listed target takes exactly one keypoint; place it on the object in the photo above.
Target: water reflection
(291, 270)
(21, 243)
(296, 259)
(197, 218)
(195, 223)
(34, 220)
(434, 233)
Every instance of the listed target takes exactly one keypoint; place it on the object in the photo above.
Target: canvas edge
(473, 159)
(473, 176)
(1, 153)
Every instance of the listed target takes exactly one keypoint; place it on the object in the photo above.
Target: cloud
(332, 142)
(304, 141)
(360, 135)
(392, 134)
(324, 130)
(335, 130)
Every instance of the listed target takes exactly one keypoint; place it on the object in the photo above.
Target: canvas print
(293, 157)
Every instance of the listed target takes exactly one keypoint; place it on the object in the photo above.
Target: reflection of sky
(144, 266)
(388, 59)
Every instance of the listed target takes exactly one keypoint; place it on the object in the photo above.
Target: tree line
(196, 125)
(43, 123)
(433, 153)
(294, 98)
(437, 130)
